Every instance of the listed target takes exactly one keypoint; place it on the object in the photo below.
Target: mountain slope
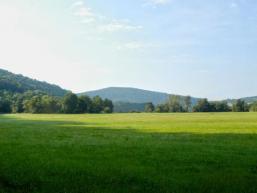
(130, 95)
(19, 83)
(246, 99)
(250, 99)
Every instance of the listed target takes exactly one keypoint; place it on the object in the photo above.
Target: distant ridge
(127, 94)
(246, 99)
(131, 95)
(17, 83)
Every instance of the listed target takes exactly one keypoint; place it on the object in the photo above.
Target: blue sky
(205, 48)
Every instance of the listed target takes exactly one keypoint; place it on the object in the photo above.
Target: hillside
(131, 95)
(250, 99)
(19, 83)
(246, 99)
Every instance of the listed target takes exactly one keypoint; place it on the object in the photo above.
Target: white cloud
(160, 2)
(77, 4)
(156, 2)
(114, 26)
(101, 23)
(84, 12)
(136, 45)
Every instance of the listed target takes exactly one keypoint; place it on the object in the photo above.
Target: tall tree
(84, 104)
(253, 107)
(175, 104)
(149, 107)
(188, 103)
(240, 106)
(202, 105)
(97, 105)
(70, 103)
(108, 106)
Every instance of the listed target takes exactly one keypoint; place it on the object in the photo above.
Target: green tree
(162, 108)
(84, 104)
(221, 107)
(240, 106)
(70, 103)
(108, 106)
(188, 103)
(175, 104)
(253, 107)
(5, 106)
(50, 104)
(149, 107)
(33, 105)
(97, 105)
(203, 105)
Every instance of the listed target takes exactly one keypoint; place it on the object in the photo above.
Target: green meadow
(129, 153)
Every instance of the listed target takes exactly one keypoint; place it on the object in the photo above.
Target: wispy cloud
(101, 23)
(136, 45)
(155, 3)
(116, 25)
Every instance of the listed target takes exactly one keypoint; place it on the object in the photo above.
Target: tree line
(177, 103)
(38, 102)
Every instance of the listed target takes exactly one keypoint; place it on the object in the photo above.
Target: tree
(5, 106)
(108, 106)
(70, 103)
(33, 105)
(97, 105)
(149, 107)
(84, 104)
(240, 106)
(175, 104)
(253, 107)
(221, 107)
(162, 108)
(50, 104)
(202, 106)
(188, 103)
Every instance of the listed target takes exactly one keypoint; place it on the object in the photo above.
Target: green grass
(127, 153)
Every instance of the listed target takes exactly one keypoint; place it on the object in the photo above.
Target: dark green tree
(240, 106)
(203, 105)
(253, 107)
(97, 105)
(149, 107)
(108, 106)
(84, 104)
(162, 108)
(70, 103)
(175, 104)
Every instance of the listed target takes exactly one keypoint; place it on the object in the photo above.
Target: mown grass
(127, 153)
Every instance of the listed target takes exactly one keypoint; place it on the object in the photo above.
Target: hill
(17, 83)
(131, 95)
(250, 99)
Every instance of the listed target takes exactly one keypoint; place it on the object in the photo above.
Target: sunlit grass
(205, 152)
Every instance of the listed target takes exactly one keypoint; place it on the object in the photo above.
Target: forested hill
(246, 99)
(131, 95)
(18, 84)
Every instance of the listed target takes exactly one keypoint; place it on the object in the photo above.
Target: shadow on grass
(72, 156)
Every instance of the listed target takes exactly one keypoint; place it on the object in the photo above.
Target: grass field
(127, 153)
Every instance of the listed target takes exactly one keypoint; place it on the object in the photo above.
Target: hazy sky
(205, 48)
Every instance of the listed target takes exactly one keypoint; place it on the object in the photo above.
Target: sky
(202, 48)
